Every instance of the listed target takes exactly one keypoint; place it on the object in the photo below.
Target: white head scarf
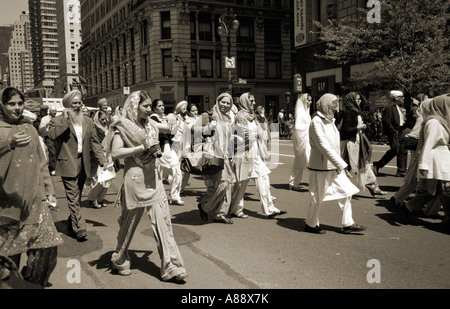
(302, 115)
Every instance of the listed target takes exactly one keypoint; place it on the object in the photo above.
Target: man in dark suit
(75, 137)
(394, 121)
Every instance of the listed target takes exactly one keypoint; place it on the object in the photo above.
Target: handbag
(205, 162)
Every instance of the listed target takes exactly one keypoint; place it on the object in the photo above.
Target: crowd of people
(85, 151)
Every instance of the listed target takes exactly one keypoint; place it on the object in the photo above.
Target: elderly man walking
(394, 121)
(75, 135)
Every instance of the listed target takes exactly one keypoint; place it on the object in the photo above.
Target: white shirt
(400, 114)
(79, 133)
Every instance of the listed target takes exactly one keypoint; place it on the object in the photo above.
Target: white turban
(180, 106)
(396, 93)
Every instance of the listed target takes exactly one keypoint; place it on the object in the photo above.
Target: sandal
(123, 270)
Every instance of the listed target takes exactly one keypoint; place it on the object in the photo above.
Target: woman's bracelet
(138, 149)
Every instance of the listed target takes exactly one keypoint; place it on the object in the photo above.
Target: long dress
(300, 139)
(25, 181)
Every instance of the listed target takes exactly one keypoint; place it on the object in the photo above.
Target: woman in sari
(300, 139)
(247, 162)
(96, 195)
(136, 141)
(216, 127)
(26, 188)
(170, 163)
(356, 148)
(434, 160)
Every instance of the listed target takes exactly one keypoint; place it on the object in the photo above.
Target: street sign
(230, 62)
(126, 90)
(297, 83)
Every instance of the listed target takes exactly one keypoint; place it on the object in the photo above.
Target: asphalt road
(261, 253)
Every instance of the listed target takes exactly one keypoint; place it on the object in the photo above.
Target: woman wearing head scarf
(26, 188)
(434, 159)
(247, 161)
(410, 180)
(98, 192)
(327, 179)
(264, 140)
(215, 127)
(302, 149)
(170, 163)
(355, 146)
(135, 139)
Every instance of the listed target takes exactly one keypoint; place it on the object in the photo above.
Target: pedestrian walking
(434, 160)
(327, 177)
(96, 195)
(188, 141)
(411, 179)
(26, 226)
(355, 146)
(76, 137)
(135, 139)
(247, 162)
(169, 160)
(216, 126)
(265, 139)
(51, 147)
(393, 124)
(302, 148)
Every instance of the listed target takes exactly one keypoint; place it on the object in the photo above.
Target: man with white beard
(75, 136)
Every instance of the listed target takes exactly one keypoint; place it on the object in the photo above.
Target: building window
(218, 63)
(272, 66)
(132, 44)
(167, 62)
(118, 77)
(124, 42)
(246, 65)
(246, 30)
(204, 27)
(272, 31)
(193, 26)
(194, 72)
(145, 60)
(165, 25)
(144, 33)
(133, 72)
(206, 63)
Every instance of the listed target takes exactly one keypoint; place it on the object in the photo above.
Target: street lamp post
(228, 21)
(185, 63)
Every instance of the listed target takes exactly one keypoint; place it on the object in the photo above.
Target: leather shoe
(222, 219)
(376, 168)
(176, 202)
(353, 228)
(240, 215)
(203, 214)
(315, 230)
(81, 235)
(281, 212)
(400, 174)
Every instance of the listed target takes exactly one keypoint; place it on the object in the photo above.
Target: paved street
(261, 253)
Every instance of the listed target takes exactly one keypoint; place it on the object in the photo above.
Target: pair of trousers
(217, 198)
(171, 261)
(74, 190)
(97, 193)
(51, 148)
(174, 176)
(296, 177)
(265, 197)
(398, 150)
(312, 217)
(40, 265)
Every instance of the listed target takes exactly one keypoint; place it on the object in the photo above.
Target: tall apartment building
(5, 37)
(20, 57)
(173, 49)
(69, 41)
(44, 32)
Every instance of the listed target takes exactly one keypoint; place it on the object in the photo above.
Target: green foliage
(409, 47)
